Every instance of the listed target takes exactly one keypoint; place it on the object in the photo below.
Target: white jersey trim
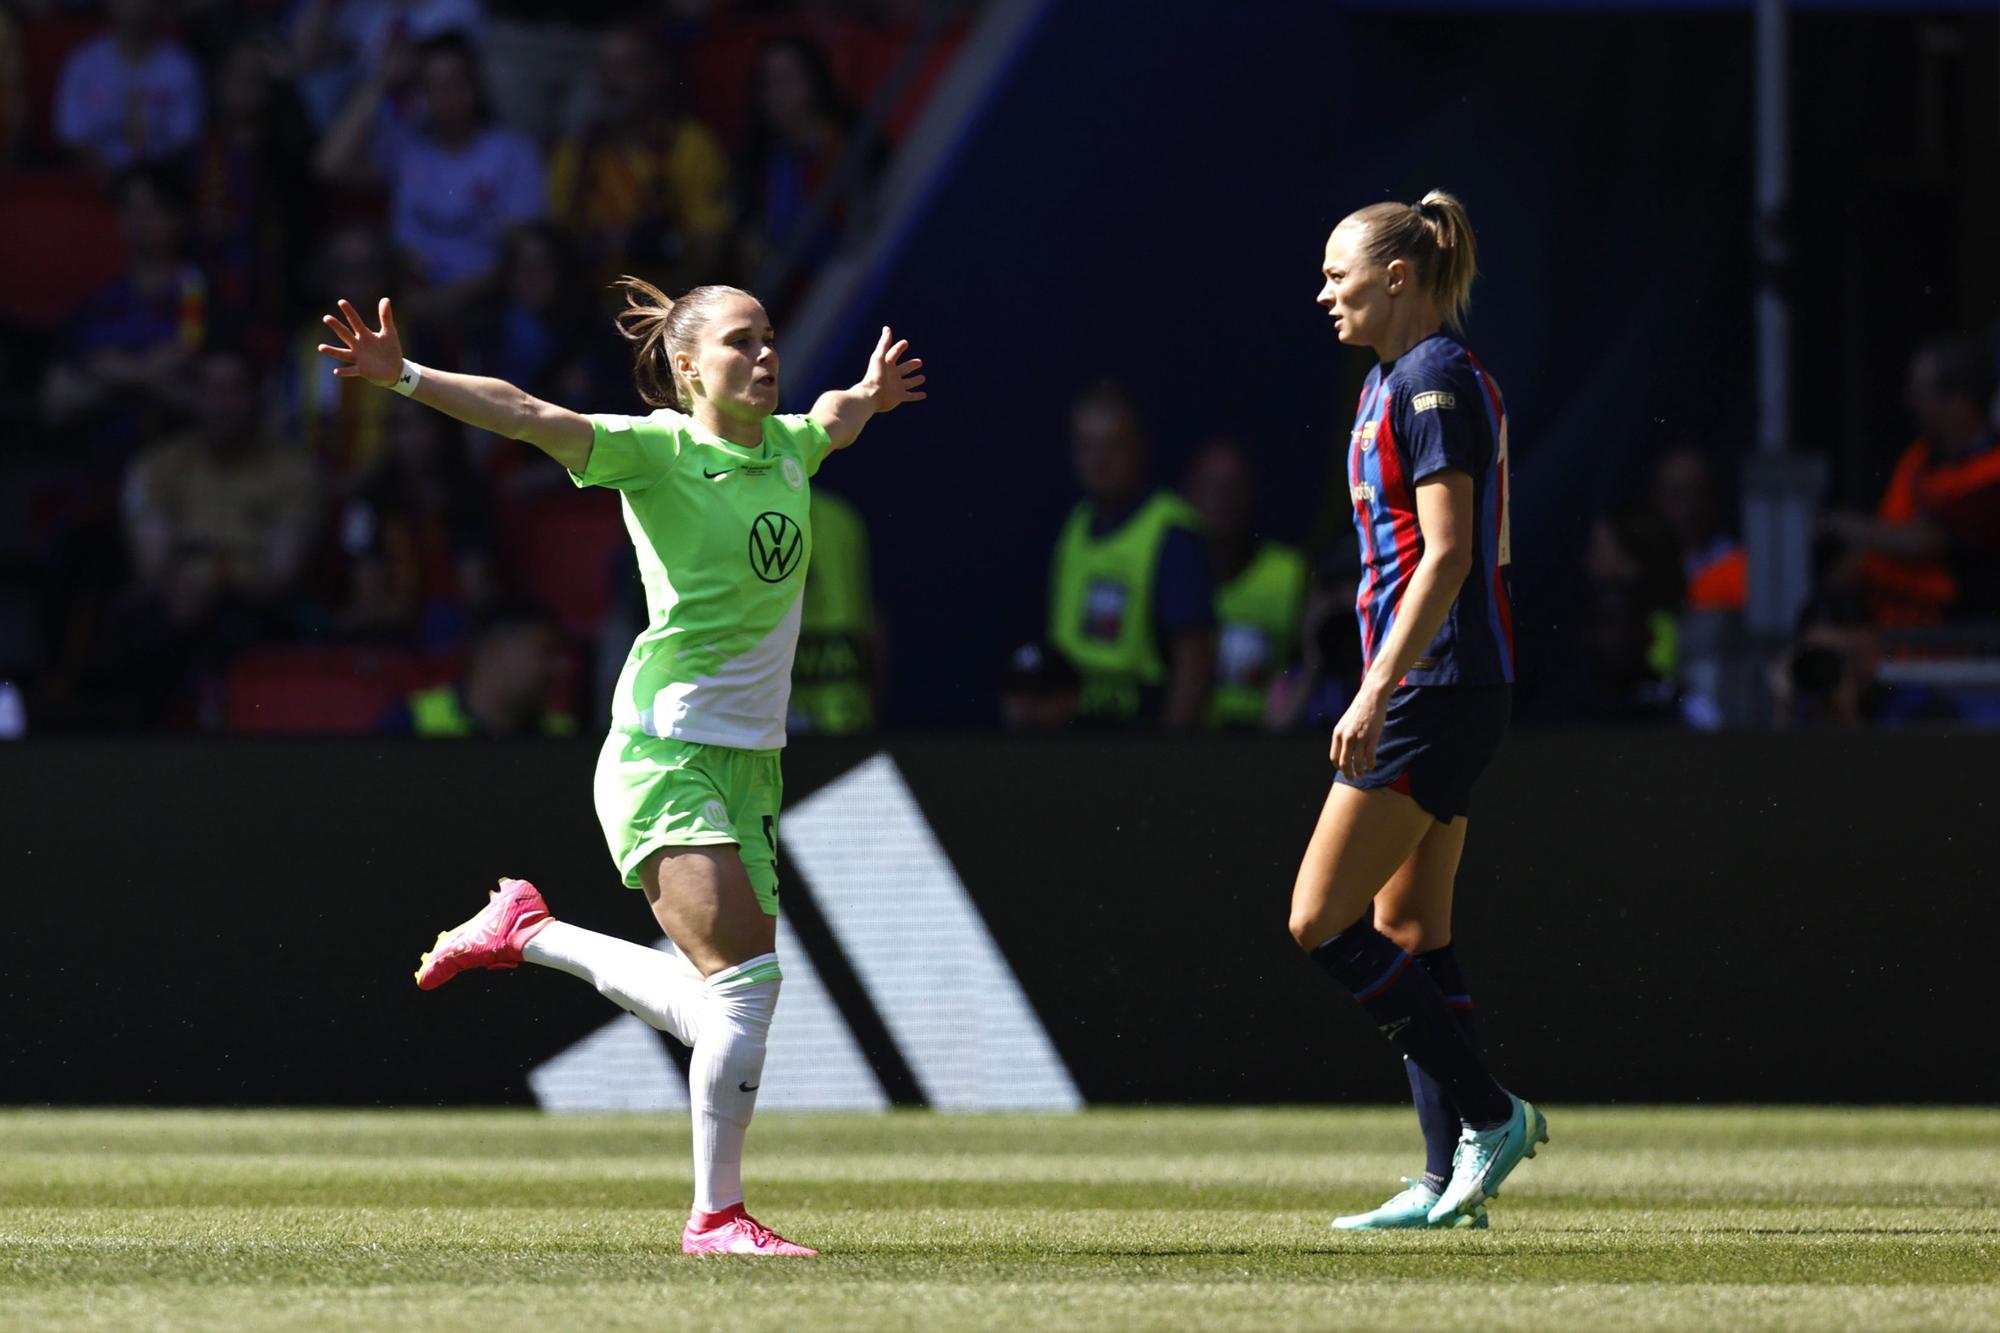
(742, 704)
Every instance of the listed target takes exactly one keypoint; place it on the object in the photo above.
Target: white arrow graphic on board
(920, 949)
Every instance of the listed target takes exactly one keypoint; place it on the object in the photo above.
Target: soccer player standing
(1427, 470)
(716, 497)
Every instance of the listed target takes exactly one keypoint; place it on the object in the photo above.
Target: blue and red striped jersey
(1434, 409)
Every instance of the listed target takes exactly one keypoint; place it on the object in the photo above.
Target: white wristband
(406, 383)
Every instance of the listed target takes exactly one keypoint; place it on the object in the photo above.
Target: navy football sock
(1437, 1115)
(1410, 1010)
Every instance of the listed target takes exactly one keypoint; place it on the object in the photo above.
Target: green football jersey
(724, 535)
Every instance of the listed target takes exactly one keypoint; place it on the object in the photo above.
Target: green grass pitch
(1630, 1219)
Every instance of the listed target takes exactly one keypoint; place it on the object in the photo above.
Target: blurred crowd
(1903, 618)
(211, 531)
(1170, 608)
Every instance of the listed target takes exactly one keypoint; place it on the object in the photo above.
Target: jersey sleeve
(628, 453)
(808, 437)
(1439, 423)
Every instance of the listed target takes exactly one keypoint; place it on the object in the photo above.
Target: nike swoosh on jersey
(713, 475)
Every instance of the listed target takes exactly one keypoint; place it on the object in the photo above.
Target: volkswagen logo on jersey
(776, 546)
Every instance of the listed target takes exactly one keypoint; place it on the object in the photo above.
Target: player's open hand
(890, 381)
(1358, 733)
(375, 355)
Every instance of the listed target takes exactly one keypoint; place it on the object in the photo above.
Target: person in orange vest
(1931, 549)
(1715, 582)
(1684, 493)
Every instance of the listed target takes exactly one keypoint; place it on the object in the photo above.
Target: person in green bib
(835, 675)
(716, 492)
(1131, 603)
(1260, 586)
(504, 692)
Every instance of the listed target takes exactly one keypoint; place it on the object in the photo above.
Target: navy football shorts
(1436, 742)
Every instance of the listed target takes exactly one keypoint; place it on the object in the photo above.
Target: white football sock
(661, 987)
(723, 1078)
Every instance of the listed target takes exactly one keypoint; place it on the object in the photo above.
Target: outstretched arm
(889, 383)
(1911, 539)
(488, 404)
(343, 155)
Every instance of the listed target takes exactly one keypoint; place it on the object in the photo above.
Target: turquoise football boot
(1409, 1211)
(1485, 1158)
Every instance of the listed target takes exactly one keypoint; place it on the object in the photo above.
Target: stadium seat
(564, 551)
(71, 229)
(437, 668)
(304, 689)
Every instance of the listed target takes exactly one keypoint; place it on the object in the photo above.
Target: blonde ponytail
(1455, 258)
(1434, 236)
(658, 327)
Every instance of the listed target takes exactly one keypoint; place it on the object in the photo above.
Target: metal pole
(1781, 487)
(1774, 351)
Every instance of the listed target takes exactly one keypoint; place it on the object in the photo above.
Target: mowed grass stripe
(1020, 1244)
(841, 1304)
(1103, 1133)
(1139, 1219)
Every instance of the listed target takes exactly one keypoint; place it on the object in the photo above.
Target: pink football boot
(493, 939)
(733, 1231)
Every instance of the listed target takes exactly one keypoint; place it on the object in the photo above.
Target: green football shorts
(654, 792)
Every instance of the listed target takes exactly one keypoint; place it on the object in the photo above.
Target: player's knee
(1307, 930)
(1403, 931)
(1411, 933)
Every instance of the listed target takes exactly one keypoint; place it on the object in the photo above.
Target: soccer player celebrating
(716, 496)
(1427, 468)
